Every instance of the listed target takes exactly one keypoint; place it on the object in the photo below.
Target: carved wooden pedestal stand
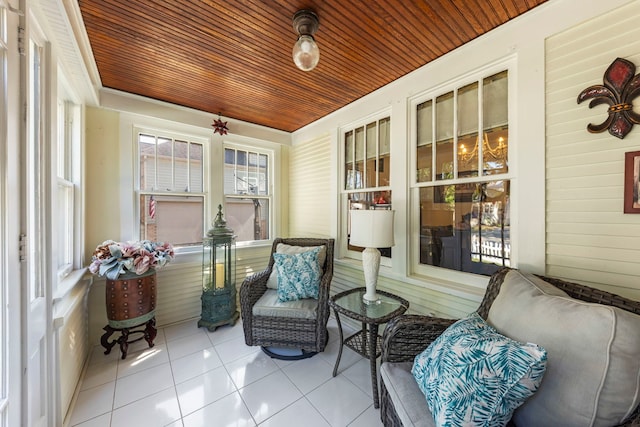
(131, 303)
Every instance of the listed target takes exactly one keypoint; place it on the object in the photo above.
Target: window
(462, 177)
(247, 190)
(172, 193)
(367, 167)
(65, 208)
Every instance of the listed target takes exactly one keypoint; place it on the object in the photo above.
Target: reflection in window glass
(495, 124)
(247, 196)
(464, 224)
(425, 141)
(384, 138)
(196, 169)
(180, 168)
(444, 137)
(174, 219)
(171, 177)
(359, 169)
(248, 218)
(368, 200)
(468, 130)
(349, 172)
(168, 165)
(477, 146)
(465, 227)
(367, 151)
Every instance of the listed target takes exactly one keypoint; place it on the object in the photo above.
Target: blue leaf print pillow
(472, 375)
(298, 275)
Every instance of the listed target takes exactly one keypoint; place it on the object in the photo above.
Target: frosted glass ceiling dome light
(305, 52)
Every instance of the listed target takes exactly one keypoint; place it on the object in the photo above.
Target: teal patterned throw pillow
(472, 375)
(298, 275)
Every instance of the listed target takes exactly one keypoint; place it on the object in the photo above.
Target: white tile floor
(193, 377)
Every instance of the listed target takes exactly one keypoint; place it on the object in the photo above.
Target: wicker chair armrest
(253, 287)
(406, 336)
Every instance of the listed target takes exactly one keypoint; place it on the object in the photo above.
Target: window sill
(67, 284)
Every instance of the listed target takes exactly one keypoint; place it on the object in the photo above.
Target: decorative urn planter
(130, 289)
(131, 303)
(131, 299)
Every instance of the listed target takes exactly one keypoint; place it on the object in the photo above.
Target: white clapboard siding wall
(73, 341)
(422, 300)
(588, 237)
(179, 289)
(311, 193)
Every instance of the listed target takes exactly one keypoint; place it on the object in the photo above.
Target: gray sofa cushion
(408, 401)
(593, 351)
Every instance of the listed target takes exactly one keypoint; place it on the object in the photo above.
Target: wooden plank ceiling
(233, 57)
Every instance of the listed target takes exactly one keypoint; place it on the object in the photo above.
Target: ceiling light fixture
(305, 52)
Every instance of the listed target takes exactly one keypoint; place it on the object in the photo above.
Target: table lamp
(371, 229)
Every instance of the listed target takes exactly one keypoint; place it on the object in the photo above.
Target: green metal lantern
(218, 276)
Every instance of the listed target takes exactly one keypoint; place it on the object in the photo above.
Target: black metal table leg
(335, 368)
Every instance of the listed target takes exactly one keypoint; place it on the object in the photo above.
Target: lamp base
(370, 267)
(367, 301)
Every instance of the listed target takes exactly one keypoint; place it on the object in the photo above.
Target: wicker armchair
(308, 335)
(407, 335)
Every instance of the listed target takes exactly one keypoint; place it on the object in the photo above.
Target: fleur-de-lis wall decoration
(621, 86)
(220, 126)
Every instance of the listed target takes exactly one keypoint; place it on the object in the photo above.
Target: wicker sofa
(300, 325)
(402, 402)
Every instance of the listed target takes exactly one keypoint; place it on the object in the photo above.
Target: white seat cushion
(269, 305)
(593, 352)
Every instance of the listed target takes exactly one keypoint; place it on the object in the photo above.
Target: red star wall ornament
(220, 126)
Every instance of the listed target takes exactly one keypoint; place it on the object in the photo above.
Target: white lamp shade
(372, 228)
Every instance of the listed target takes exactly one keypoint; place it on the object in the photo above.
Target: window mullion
(377, 154)
(434, 142)
(480, 128)
(173, 164)
(353, 158)
(235, 171)
(455, 134)
(188, 166)
(155, 164)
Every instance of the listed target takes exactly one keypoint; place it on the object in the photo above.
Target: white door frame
(10, 285)
(36, 274)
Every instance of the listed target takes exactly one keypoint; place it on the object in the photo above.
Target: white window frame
(271, 159)
(440, 273)
(344, 193)
(177, 135)
(68, 175)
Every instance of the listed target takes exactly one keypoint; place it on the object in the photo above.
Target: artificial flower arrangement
(112, 259)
